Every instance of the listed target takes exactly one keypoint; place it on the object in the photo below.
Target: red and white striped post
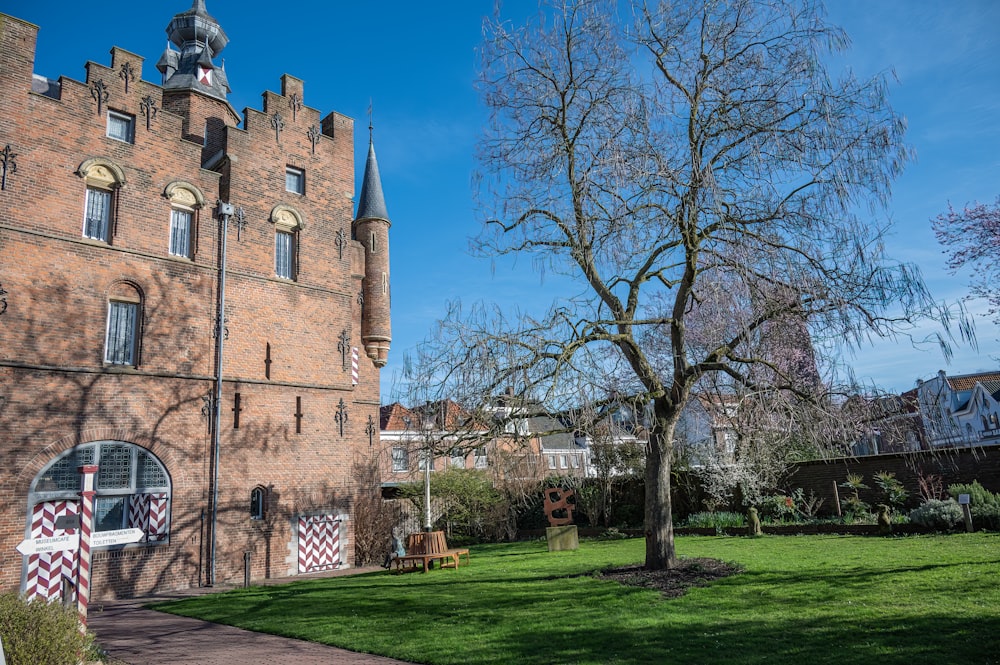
(86, 527)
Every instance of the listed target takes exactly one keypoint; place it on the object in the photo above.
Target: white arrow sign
(117, 537)
(69, 541)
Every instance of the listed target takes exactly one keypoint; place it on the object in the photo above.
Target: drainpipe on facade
(225, 211)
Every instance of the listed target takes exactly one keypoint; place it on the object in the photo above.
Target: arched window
(124, 325)
(132, 488)
(287, 231)
(185, 202)
(103, 179)
(258, 503)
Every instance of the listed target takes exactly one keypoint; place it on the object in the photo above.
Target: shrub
(983, 504)
(778, 508)
(40, 633)
(893, 493)
(853, 506)
(938, 514)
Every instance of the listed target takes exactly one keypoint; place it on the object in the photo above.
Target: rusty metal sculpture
(559, 505)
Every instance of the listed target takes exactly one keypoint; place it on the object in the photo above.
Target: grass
(805, 599)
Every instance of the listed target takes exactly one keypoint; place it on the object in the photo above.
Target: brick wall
(960, 465)
(58, 392)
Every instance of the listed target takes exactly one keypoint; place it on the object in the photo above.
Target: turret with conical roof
(371, 229)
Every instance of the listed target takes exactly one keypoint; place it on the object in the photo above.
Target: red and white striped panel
(157, 528)
(46, 570)
(319, 543)
(354, 366)
(138, 512)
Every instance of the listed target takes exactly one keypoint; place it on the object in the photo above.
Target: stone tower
(371, 229)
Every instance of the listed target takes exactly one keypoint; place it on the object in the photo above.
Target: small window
(284, 254)
(400, 460)
(97, 219)
(563, 462)
(121, 338)
(422, 464)
(180, 233)
(121, 127)
(295, 180)
(481, 461)
(458, 461)
(552, 461)
(257, 503)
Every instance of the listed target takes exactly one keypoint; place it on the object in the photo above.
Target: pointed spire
(371, 204)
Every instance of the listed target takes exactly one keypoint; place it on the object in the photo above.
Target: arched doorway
(132, 491)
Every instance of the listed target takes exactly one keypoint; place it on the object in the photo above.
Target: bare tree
(971, 238)
(659, 158)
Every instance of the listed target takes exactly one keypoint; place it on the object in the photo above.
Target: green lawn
(802, 600)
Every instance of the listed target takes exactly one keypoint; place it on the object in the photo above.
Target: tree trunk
(660, 552)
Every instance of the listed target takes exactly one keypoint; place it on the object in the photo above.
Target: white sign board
(68, 541)
(117, 537)
(963, 498)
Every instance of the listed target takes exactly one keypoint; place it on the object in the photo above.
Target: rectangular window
(480, 458)
(97, 220)
(109, 513)
(400, 460)
(121, 127)
(422, 464)
(458, 461)
(552, 461)
(563, 462)
(120, 346)
(295, 180)
(180, 233)
(284, 254)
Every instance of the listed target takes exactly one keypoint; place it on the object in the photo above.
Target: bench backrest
(432, 542)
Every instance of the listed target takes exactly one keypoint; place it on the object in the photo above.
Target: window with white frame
(132, 488)
(480, 458)
(400, 460)
(284, 254)
(563, 462)
(457, 460)
(287, 235)
(422, 463)
(180, 232)
(122, 333)
(121, 127)
(295, 180)
(552, 461)
(97, 217)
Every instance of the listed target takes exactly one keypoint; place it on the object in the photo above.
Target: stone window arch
(288, 226)
(186, 201)
(102, 180)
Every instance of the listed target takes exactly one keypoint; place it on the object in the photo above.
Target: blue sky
(416, 63)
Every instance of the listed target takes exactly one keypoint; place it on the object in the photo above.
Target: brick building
(131, 213)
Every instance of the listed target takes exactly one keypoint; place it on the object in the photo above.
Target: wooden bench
(428, 547)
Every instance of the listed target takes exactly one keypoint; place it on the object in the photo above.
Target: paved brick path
(137, 636)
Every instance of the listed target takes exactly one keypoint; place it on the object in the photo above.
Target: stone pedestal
(562, 538)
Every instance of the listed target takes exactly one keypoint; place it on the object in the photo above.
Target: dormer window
(121, 127)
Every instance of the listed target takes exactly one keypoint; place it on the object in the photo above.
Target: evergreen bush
(37, 632)
(937, 514)
(983, 504)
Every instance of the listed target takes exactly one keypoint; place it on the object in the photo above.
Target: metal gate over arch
(319, 543)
